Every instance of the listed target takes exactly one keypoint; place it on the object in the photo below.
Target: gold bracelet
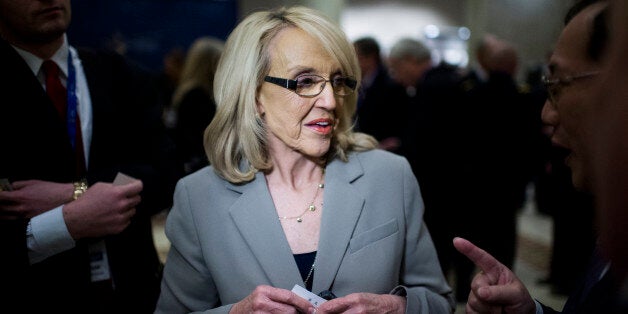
(79, 188)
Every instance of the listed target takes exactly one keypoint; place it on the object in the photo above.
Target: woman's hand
(267, 299)
(364, 303)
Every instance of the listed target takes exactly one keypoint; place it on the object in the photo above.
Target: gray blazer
(226, 239)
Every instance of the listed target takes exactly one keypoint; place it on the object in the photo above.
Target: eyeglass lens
(312, 85)
(555, 86)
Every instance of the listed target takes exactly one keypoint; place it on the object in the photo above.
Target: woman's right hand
(267, 299)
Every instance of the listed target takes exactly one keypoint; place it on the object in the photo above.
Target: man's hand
(496, 289)
(32, 197)
(103, 209)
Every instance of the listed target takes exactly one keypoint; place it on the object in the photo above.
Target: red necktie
(55, 90)
(58, 94)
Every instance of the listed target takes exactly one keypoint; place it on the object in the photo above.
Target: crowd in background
(473, 137)
(476, 143)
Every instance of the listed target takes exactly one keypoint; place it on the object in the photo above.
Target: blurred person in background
(380, 102)
(494, 147)
(193, 101)
(168, 81)
(431, 122)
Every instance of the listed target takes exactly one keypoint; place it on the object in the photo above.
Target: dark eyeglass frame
(553, 85)
(292, 85)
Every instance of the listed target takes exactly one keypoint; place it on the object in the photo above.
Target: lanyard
(72, 101)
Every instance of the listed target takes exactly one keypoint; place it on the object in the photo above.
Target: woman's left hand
(364, 303)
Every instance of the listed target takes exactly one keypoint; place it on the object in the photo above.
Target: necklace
(309, 208)
(309, 274)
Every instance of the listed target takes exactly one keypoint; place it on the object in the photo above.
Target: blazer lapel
(255, 217)
(342, 206)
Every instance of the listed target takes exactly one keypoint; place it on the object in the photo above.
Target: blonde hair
(199, 67)
(235, 141)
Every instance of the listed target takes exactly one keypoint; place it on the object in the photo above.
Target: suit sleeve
(187, 284)
(422, 279)
(14, 263)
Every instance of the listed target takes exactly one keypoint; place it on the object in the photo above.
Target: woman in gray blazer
(293, 196)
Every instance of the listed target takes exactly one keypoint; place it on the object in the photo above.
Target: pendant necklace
(309, 208)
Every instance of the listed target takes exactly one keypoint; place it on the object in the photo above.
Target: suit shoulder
(380, 159)
(202, 177)
(378, 154)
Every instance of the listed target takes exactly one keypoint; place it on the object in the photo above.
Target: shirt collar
(60, 57)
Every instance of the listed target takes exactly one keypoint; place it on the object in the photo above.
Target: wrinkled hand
(267, 299)
(30, 198)
(364, 303)
(103, 209)
(496, 289)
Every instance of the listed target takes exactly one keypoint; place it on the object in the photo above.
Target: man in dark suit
(380, 102)
(72, 241)
(494, 147)
(574, 68)
(431, 124)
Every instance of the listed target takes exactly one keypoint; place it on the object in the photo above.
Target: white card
(306, 294)
(122, 179)
(99, 261)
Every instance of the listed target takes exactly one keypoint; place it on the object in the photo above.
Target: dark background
(145, 30)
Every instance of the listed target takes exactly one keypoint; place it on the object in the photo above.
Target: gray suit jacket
(226, 239)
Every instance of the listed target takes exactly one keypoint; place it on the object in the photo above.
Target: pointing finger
(486, 262)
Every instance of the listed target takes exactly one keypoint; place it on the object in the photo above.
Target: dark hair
(367, 46)
(600, 36)
(577, 8)
(598, 41)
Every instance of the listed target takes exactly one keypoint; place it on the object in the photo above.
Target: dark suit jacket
(196, 111)
(380, 108)
(595, 294)
(127, 137)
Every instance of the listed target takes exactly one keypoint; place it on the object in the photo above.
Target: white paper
(99, 262)
(122, 179)
(306, 294)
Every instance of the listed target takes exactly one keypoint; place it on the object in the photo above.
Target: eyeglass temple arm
(289, 84)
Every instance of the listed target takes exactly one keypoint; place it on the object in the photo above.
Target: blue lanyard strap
(72, 101)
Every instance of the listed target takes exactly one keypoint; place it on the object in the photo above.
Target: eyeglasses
(554, 86)
(310, 85)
